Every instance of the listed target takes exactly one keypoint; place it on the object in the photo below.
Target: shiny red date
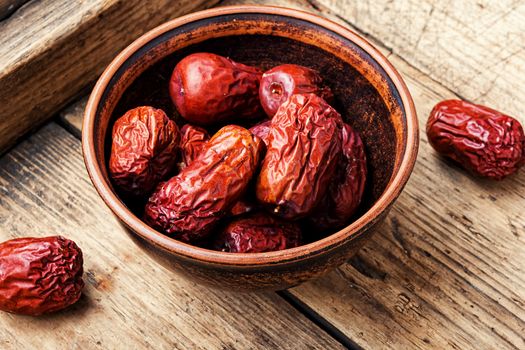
(347, 186)
(281, 82)
(482, 140)
(190, 204)
(143, 151)
(192, 142)
(258, 233)
(209, 89)
(262, 130)
(304, 148)
(39, 275)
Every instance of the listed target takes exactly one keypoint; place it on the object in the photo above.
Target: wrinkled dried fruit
(261, 130)
(281, 82)
(208, 89)
(304, 147)
(258, 233)
(347, 186)
(188, 205)
(143, 151)
(482, 140)
(39, 275)
(192, 142)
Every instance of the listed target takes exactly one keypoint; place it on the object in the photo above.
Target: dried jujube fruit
(39, 275)
(346, 187)
(257, 233)
(190, 204)
(193, 140)
(262, 130)
(143, 151)
(482, 140)
(304, 148)
(281, 82)
(209, 89)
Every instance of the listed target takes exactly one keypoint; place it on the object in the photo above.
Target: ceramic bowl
(370, 95)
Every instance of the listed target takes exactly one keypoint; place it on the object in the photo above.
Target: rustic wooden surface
(475, 48)
(51, 49)
(447, 270)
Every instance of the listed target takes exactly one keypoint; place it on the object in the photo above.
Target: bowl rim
(160, 240)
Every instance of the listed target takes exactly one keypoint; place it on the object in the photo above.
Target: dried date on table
(39, 275)
(190, 204)
(304, 148)
(143, 151)
(209, 89)
(482, 140)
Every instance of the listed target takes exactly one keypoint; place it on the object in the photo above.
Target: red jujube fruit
(262, 130)
(190, 204)
(192, 142)
(258, 233)
(281, 82)
(39, 275)
(143, 151)
(347, 186)
(243, 206)
(304, 148)
(482, 140)
(209, 89)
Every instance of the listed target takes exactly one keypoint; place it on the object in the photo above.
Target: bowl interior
(364, 94)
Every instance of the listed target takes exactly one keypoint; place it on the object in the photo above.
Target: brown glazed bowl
(369, 92)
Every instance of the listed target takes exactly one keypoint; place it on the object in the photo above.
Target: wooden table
(446, 270)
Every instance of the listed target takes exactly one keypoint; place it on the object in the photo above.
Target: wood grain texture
(129, 298)
(475, 48)
(51, 49)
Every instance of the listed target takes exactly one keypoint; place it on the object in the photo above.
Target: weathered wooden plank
(51, 49)
(295, 4)
(129, 298)
(475, 48)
